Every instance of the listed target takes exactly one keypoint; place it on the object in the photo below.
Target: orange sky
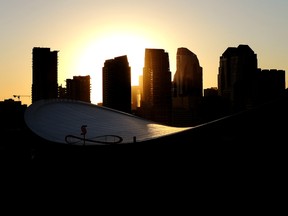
(87, 32)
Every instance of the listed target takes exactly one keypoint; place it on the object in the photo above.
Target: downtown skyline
(86, 33)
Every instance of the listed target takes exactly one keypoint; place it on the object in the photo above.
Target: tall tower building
(44, 74)
(187, 88)
(188, 79)
(156, 103)
(237, 77)
(117, 84)
(78, 88)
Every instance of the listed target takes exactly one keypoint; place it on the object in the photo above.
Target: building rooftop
(61, 120)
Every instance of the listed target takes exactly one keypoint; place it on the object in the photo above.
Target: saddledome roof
(76, 122)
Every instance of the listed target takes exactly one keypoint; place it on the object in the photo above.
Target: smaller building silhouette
(135, 100)
(78, 88)
(271, 84)
(12, 115)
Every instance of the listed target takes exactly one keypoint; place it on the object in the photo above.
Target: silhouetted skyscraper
(187, 88)
(156, 103)
(188, 77)
(117, 84)
(45, 74)
(237, 77)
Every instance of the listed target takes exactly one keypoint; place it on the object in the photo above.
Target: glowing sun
(93, 55)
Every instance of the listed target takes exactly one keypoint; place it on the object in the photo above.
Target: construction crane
(19, 96)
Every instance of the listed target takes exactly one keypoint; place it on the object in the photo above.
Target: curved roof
(77, 122)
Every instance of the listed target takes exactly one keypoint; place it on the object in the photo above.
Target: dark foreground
(242, 158)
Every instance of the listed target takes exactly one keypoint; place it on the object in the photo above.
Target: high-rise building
(237, 77)
(242, 84)
(156, 103)
(188, 80)
(44, 74)
(117, 84)
(187, 88)
(78, 88)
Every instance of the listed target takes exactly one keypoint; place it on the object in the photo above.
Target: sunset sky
(88, 32)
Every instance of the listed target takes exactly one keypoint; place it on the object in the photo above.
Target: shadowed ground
(236, 156)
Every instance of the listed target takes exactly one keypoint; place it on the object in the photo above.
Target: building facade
(187, 88)
(156, 101)
(117, 84)
(44, 74)
(271, 84)
(78, 88)
(237, 77)
(243, 84)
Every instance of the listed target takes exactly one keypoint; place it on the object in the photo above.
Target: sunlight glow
(92, 56)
